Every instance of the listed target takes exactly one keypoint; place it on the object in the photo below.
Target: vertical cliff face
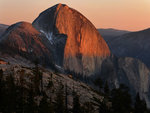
(129, 71)
(83, 47)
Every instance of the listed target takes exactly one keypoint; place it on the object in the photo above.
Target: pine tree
(50, 83)
(66, 98)
(99, 83)
(51, 106)
(41, 80)
(38, 79)
(103, 108)
(87, 108)
(140, 105)
(76, 103)
(50, 86)
(30, 106)
(1, 75)
(10, 93)
(44, 106)
(121, 100)
(20, 99)
(21, 93)
(106, 89)
(59, 106)
(2, 91)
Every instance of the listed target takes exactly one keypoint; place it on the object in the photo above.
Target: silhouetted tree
(76, 103)
(103, 108)
(99, 83)
(10, 96)
(44, 106)
(50, 83)
(88, 108)
(51, 106)
(20, 100)
(31, 106)
(59, 106)
(102, 105)
(38, 79)
(66, 98)
(121, 100)
(21, 92)
(106, 89)
(1, 90)
(140, 105)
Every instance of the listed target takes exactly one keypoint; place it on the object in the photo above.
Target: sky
(132, 15)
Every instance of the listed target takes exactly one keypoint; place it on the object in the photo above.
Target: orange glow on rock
(83, 38)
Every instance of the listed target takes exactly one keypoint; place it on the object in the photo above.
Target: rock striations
(84, 48)
(130, 72)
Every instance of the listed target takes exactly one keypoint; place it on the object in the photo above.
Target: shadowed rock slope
(3, 28)
(23, 39)
(129, 71)
(134, 44)
(109, 34)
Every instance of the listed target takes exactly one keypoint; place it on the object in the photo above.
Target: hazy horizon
(118, 14)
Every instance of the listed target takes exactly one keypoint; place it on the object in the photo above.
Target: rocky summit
(77, 44)
(24, 40)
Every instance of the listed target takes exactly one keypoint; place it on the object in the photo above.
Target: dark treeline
(28, 95)
(116, 100)
(120, 100)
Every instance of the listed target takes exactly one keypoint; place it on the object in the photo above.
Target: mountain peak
(83, 42)
(23, 39)
(61, 7)
(60, 4)
(22, 25)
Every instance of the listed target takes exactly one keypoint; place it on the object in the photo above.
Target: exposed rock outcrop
(129, 71)
(84, 48)
(23, 39)
(85, 92)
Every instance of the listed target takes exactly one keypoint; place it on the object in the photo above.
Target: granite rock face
(83, 47)
(129, 71)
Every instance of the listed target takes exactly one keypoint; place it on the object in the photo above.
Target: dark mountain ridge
(134, 44)
(3, 27)
(111, 33)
